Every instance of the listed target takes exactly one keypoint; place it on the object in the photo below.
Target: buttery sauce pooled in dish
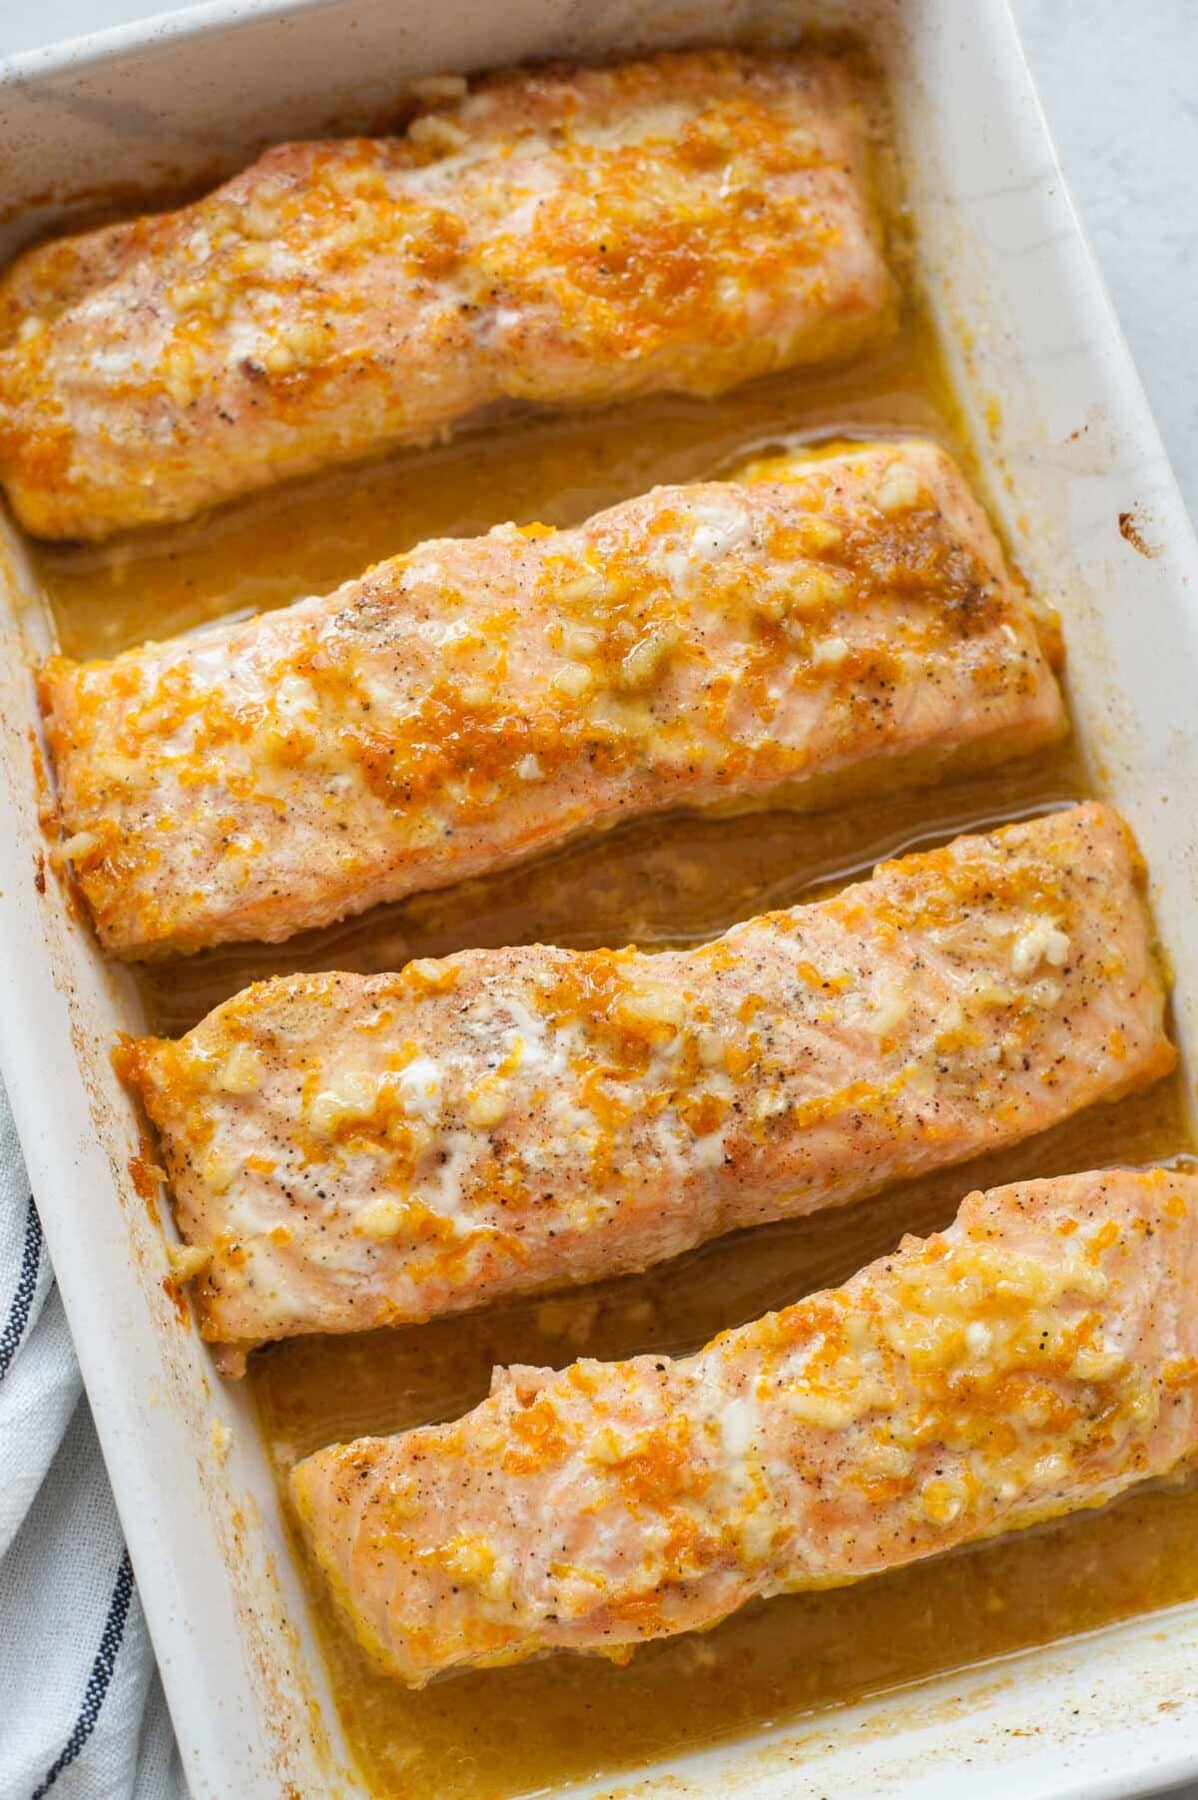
(494, 1734)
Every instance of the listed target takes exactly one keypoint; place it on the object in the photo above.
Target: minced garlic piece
(381, 1219)
(80, 844)
(573, 679)
(186, 1261)
(218, 1169)
(646, 660)
(433, 132)
(650, 1009)
(829, 653)
(943, 1499)
(242, 1070)
(471, 1558)
(830, 1411)
(488, 1104)
(898, 490)
(350, 1097)
(1043, 941)
(605, 1447)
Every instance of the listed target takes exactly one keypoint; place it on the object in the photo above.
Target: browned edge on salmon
(1036, 1358)
(351, 1151)
(812, 628)
(561, 236)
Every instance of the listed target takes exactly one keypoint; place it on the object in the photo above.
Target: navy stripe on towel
(99, 1679)
(22, 1300)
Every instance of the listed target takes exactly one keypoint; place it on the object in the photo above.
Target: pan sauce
(507, 1732)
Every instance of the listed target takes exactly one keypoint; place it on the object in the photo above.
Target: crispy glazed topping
(355, 1151)
(563, 235)
(1037, 1357)
(475, 700)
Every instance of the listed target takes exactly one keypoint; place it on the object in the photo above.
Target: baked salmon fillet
(1038, 1357)
(351, 1151)
(477, 700)
(561, 236)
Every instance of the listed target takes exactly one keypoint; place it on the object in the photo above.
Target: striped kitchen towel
(82, 1715)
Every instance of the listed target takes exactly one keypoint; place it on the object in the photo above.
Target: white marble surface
(1120, 85)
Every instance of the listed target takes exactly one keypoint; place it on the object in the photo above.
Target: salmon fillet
(478, 700)
(351, 1151)
(563, 235)
(1038, 1357)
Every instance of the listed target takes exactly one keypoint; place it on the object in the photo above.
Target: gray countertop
(1120, 87)
(1119, 83)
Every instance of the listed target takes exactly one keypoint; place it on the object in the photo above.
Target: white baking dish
(1071, 447)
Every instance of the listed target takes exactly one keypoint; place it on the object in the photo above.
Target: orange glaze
(495, 1733)
(519, 1119)
(498, 1733)
(563, 235)
(475, 701)
(1037, 1358)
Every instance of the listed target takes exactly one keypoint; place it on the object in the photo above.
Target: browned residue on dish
(1131, 529)
(146, 1175)
(47, 811)
(178, 1299)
